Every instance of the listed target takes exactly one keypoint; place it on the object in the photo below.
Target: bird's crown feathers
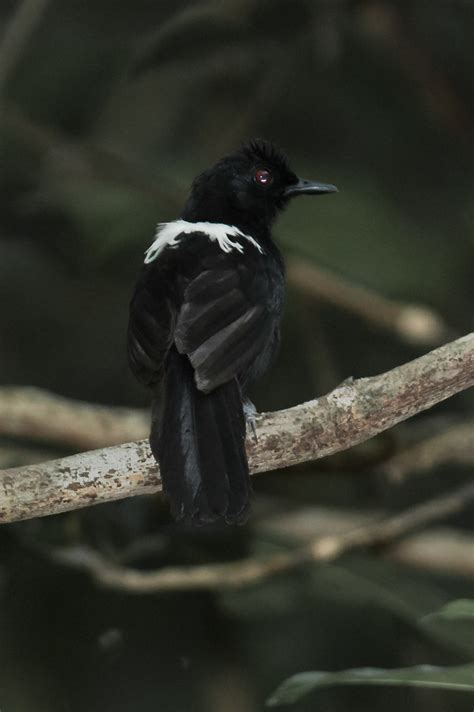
(261, 150)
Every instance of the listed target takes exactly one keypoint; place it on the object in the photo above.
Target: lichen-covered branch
(352, 413)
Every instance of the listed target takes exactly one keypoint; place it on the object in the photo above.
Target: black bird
(205, 323)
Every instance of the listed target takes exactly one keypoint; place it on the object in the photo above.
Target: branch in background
(350, 414)
(39, 415)
(15, 455)
(455, 445)
(252, 570)
(414, 323)
(444, 549)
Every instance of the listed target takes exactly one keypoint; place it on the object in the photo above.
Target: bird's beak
(309, 187)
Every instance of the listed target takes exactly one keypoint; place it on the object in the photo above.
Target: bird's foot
(251, 416)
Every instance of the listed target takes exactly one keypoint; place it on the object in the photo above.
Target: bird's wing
(224, 323)
(149, 328)
(215, 306)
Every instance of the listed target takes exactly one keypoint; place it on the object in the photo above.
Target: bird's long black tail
(199, 442)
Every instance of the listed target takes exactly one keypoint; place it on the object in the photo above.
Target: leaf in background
(454, 622)
(461, 609)
(398, 591)
(459, 678)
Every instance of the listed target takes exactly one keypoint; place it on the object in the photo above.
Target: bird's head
(248, 188)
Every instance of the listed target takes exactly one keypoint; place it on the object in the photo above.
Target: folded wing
(223, 324)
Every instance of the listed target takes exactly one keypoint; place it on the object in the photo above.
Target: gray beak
(309, 187)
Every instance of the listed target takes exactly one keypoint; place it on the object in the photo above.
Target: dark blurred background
(107, 111)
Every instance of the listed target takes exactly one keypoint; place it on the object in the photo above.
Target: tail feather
(199, 441)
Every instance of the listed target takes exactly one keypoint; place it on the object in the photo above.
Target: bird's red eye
(263, 176)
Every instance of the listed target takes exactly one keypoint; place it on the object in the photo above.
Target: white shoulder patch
(167, 236)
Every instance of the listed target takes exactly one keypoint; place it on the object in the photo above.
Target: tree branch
(414, 323)
(39, 415)
(252, 570)
(350, 414)
(443, 549)
(455, 444)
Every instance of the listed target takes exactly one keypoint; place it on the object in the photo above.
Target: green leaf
(459, 678)
(453, 623)
(461, 609)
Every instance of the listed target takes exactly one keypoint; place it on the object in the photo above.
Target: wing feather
(217, 308)
(197, 320)
(223, 322)
(227, 352)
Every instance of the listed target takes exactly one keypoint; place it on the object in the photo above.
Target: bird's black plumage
(205, 323)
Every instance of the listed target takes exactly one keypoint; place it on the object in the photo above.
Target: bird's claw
(251, 416)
